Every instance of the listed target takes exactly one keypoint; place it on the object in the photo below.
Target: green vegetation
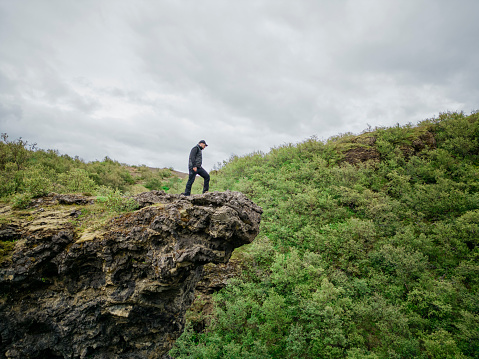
(369, 248)
(27, 172)
(115, 201)
(6, 247)
(162, 179)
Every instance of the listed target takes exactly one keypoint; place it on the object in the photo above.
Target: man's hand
(195, 169)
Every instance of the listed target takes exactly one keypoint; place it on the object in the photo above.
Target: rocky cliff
(114, 291)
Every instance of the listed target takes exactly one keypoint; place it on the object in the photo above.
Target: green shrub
(109, 173)
(8, 185)
(15, 152)
(21, 200)
(76, 180)
(115, 201)
(458, 134)
(154, 184)
(37, 180)
(441, 344)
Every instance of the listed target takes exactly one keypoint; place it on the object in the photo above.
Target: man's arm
(193, 153)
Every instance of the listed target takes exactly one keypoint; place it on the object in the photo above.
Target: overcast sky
(143, 81)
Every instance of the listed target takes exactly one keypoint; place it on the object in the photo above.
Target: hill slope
(369, 248)
(27, 172)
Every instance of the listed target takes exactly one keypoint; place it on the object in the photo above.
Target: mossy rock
(6, 250)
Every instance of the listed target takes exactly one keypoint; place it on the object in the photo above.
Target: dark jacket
(196, 157)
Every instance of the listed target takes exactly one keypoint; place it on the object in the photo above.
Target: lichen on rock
(120, 291)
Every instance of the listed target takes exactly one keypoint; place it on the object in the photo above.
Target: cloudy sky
(143, 81)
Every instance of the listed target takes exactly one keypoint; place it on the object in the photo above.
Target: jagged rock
(361, 154)
(120, 291)
(72, 199)
(215, 277)
(68, 199)
(9, 232)
(364, 148)
(425, 139)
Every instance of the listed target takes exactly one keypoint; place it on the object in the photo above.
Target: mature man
(194, 167)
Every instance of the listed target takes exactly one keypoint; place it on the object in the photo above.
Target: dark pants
(200, 171)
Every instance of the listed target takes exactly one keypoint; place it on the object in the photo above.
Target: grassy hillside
(27, 172)
(369, 249)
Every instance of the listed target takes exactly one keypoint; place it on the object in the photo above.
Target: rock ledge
(118, 292)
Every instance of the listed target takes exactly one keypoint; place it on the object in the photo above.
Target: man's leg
(191, 179)
(206, 177)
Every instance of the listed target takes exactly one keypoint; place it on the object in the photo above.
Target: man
(194, 168)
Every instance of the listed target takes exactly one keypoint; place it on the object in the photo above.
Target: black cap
(203, 141)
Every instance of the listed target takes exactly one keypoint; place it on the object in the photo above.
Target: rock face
(364, 148)
(119, 291)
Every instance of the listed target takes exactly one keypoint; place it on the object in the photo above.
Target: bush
(21, 200)
(441, 344)
(37, 181)
(115, 201)
(8, 185)
(15, 152)
(154, 184)
(76, 180)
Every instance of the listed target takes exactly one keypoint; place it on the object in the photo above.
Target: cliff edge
(120, 290)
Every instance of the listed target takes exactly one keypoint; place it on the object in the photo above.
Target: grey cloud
(143, 81)
(247, 67)
(420, 41)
